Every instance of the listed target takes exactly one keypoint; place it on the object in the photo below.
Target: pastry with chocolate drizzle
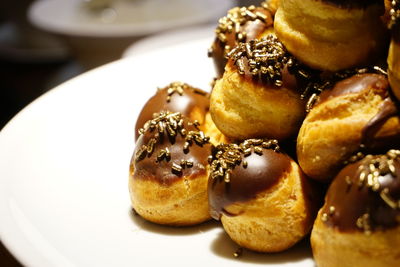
(259, 95)
(190, 101)
(261, 196)
(168, 171)
(240, 25)
(359, 224)
(180, 97)
(358, 115)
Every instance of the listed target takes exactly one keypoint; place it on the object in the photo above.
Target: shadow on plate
(224, 247)
(171, 230)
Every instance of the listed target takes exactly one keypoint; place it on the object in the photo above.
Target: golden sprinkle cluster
(179, 88)
(234, 21)
(325, 216)
(364, 223)
(369, 176)
(169, 125)
(227, 156)
(265, 58)
(394, 13)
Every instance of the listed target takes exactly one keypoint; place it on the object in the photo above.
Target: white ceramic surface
(127, 18)
(64, 166)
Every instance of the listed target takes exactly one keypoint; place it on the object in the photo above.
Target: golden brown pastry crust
(276, 219)
(394, 59)
(329, 37)
(242, 108)
(332, 248)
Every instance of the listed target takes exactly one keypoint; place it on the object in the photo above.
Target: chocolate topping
(387, 110)
(169, 148)
(356, 84)
(263, 59)
(349, 4)
(240, 172)
(176, 97)
(239, 26)
(365, 196)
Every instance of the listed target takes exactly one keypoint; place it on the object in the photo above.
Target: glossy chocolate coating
(262, 172)
(356, 84)
(351, 201)
(388, 108)
(162, 171)
(252, 28)
(349, 4)
(191, 99)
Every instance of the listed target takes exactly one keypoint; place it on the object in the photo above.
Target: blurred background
(44, 43)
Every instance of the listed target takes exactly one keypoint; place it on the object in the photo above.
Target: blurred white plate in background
(125, 17)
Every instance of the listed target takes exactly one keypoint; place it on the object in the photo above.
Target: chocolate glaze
(356, 84)
(351, 201)
(161, 172)
(191, 99)
(253, 29)
(289, 80)
(262, 172)
(350, 4)
(387, 110)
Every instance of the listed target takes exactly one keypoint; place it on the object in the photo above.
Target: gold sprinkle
(258, 150)
(227, 177)
(324, 217)
(348, 180)
(176, 167)
(238, 252)
(388, 199)
(331, 210)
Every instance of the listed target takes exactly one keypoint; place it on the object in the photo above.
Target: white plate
(126, 18)
(64, 168)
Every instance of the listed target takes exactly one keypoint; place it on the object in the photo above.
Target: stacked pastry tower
(306, 98)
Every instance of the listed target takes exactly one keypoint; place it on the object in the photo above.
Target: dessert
(359, 223)
(332, 34)
(356, 115)
(261, 196)
(240, 25)
(257, 95)
(311, 75)
(180, 97)
(168, 171)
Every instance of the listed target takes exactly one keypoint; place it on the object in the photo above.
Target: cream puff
(359, 224)
(332, 34)
(168, 171)
(258, 97)
(356, 115)
(261, 196)
(240, 25)
(190, 101)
